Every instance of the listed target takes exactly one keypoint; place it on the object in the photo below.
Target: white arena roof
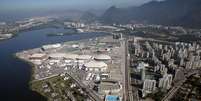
(95, 64)
(71, 56)
(102, 57)
(63, 55)
(57, 55)
(84, 57)
(37, 55)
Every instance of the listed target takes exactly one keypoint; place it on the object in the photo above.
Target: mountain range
(185, 13)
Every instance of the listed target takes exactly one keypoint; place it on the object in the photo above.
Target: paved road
(128, 92)
(124, 70)
(73, 74)
(92, 94)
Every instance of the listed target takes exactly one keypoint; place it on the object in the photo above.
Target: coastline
(32, 83)
(16, 33)
(10, 49)
(31, 65)
(13, 36)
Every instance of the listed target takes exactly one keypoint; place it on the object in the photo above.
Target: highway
(124, 70)
(128, 92)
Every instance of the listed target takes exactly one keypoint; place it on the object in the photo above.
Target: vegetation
(58, 88)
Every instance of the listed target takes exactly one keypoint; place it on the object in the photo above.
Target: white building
(71, 56)
(166, 81)
(52, 46)
(102, 57)
(143, 74)
(63, 55)
(84, 57)
(96, 66)
(148, 87)
(57, 55)
(109, 87)
(38, 56)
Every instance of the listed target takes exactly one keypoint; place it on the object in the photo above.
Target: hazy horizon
(34, 5)
(17, 9)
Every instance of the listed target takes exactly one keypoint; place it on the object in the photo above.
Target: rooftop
(102, 57)
(112, 98)
(96, 64)
(63, 55)
(109, 85)
(37, 55)
(84, 57)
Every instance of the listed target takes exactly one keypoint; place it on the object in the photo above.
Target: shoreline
(31, 65)
(27, 65)
(13, 36)
(38, 77)
(16, 33)
(32, 80)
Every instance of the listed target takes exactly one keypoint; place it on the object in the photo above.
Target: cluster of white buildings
(150, 85)
(74, 24)
(52, 46)
(173, 29)
(92, 63)
(166, 81)
(186, 55)
(167, 60)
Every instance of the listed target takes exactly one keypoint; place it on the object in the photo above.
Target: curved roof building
(63, 55)
(102, 57)
(96, 66)
(84, 57)
(71, 56)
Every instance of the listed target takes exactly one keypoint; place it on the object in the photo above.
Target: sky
(15, 5)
